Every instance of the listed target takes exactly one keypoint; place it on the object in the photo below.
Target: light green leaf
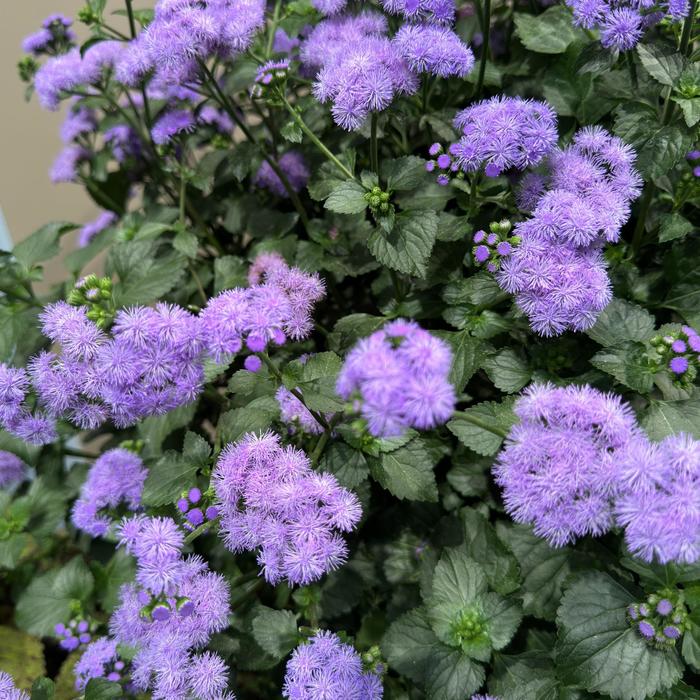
(406, 472)
(102, 689)
(550, 32)
(347, 198)
(275, 631)
(663, 418)
(661, 61)
(507, 370)
(256, 417)
(628, 364)
(597, 648)
(42, 244)
(483, 427)
(348, 465)
(620, 322)
(674, 226)
(690, 109)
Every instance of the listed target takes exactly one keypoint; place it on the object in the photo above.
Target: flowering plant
(376, 376)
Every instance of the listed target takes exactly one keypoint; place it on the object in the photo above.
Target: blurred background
(29, 139)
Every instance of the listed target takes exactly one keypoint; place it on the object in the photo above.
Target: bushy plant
(387, 383)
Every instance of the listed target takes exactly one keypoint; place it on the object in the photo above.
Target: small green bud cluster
(378, 201)
(88, 16)
(27, 69)
(95, 293)
(372, 660)
(468, 628)
(490, 248)
(660, 620)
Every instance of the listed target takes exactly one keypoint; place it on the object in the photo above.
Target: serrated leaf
(690, 109)
(467, 356)
(154, 430)
(664, 418)
(102, 689)
(662, 62)
(483, 427)
(42, 244)
(347, 198)
(628, 365)
(291, 132)
(256, 417)
(453, 228)
(550, 32)
(507, 370)
(674, 226)
(406, 472)
(597, 648)
(275, 631)
(404, 173)
(408, 246)
(347, 464)
(620, 322)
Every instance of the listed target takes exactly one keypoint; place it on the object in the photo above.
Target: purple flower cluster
(8, 690)
(659, 502)
(272, 501)
(99, 660)
(558, 273)
(680, 352)
(54, 36)
(504, 133)
(12, 469)
(195, 513)
(360, 69)
(277, 306)
(490, 248)
(73, 635)
(622, 23)
(170, 612)
(443, 163)
(558, 470)
(171, 124)
(398, 378)
(116, 477)
(93, 228)
(324, 667)
(293, 165)
(270, 74)
(694, 156)
(184, 33)
(658, 621)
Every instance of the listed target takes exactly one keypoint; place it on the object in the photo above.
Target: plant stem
(486, 31)
(632, 69)
(315, 140)
(198, 531)
(688, 29)
(273, 28)
(482, 424)
(374, 145)
(72, 452)
(320, 446)
(231, 111)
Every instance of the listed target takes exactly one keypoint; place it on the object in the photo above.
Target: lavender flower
(432, 11)
(558, 470)
(208, 676)
(12, 469)
(504, 132)
(78, 122)
(621, 29)
(399, 378)
(99, 660)
(54, 36)
(65, 167)
(272, 501)
(117, 476)
(8, 690)
(434, 49)
(293, 165)
(325, 667)
(172, 124)
(657, 505)
(93, 228)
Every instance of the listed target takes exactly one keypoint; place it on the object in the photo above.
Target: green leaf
(483, 545)
(154, 430)
(43, 689)
(628, 364)
(347, 198)
(316, 379)
(663, 418)
(550, 32)
(467, 356)
(662, 62)
(42, 244)
(480, 289)
(348, 465)
(22, 656)
(408, 246)
(230, 271)
(507, 370)
(404, 173)
(256, 417)
(173, 472)
(453, 228)
(598, 650)
(275, 631)
(406, 472)
(620, 322)
(483, 427)
(691, 646)
(292, 132)
(47, 599)
(102, 689)
(690, 109)
(674, 226)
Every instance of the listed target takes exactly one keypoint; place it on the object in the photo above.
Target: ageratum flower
(325, 667)
(99, 660)
(172, 124)
(55, 34)
(78, 122)
(116, 477)
(271, 500)
(293, 165)
(170, 612)
(434, 49)
(66, 166)
(558, 469)
(12, 469)
(432, 11)
(8, 690)
(503, 133)
(93, 228)
(399, 379)
(659, 501)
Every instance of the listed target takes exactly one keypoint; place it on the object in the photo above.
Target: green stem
(688, 29)
(315, 140)
(320, 446)
(482, 424)
(374, 145)
(72, 452)
(486, 31)
(231, 111)
(273, 28)
(632, 69)
(473, 195)
(199, 531)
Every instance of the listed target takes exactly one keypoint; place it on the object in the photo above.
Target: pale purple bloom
(208, 676)
(399, 376)
(98, 661)
(270, 500)
(664, 607)
(659, 502)
(95, 227)
(12, 469)
(172, 124)
(77, 123)
(66, 166)
(38, 42)
(558, 469)
(432, 11)
(325, 668)
(293, 165)
(116, 477)
(329, 7)
(123, 141)
(294, 413)
(216, 118)
(679, 365)
(621, 29)
(434, 49)
(506, 132)
(8, 690)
